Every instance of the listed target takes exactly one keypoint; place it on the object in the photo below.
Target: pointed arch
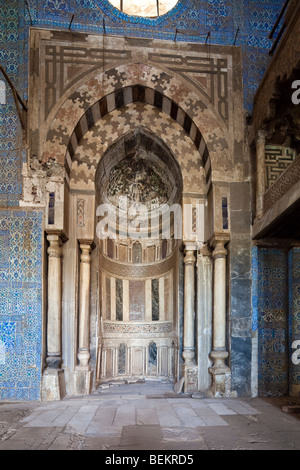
(131, 83)
(133, 94)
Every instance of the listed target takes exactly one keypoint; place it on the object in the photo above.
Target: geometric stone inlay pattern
(288, 178)
(161, 327)
(277, 160)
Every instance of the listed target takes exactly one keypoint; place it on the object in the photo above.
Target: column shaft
(54, 332)
(189, 307)
(219, 326)
(204, 316)
(84, 305)
(221, 374)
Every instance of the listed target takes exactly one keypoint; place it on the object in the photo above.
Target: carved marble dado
(133, 328)
(138, 359)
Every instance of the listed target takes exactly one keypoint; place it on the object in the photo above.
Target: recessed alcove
(138, 281)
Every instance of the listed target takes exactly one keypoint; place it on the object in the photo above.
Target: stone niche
(138, 275)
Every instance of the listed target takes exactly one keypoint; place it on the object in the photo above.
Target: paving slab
(125, 415)
(221, 409)
(142, 438)
(103, 431)
(145, 416)
(81, 420)
(105, 443)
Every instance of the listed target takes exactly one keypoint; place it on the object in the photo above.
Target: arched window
(145, 8)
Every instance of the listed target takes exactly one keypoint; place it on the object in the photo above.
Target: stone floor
(147, 416)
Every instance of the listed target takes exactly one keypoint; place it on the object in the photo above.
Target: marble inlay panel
(133, 328)
(119, 300)
(122, 359)
(108, 299)
(155, 300)
(136, 300)
(152, 359)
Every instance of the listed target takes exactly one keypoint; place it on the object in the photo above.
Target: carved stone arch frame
(80, 111)
(96, 99)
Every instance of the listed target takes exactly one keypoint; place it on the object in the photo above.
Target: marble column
(83, 372)
(260, 172)
(221, 385)
(53, 387)
(204, 316)
(190, 368)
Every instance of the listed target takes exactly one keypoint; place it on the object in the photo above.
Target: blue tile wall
(276, 317)
(294, 312)
(20, 305)
(272, 322)
(10, 143)
(255, 288)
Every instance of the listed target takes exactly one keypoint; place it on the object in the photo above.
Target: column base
(190, 373)
(83, 380)
(221, 374)
(221, 382)
(294, 391)
(53, 385)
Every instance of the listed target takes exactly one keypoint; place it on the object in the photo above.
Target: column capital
(86, 247)
(261, 135)
(190, 246)
(189, 257)
(219, 239)
(204, 250)
(54, 234)
(87, 242)
(55, 243)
